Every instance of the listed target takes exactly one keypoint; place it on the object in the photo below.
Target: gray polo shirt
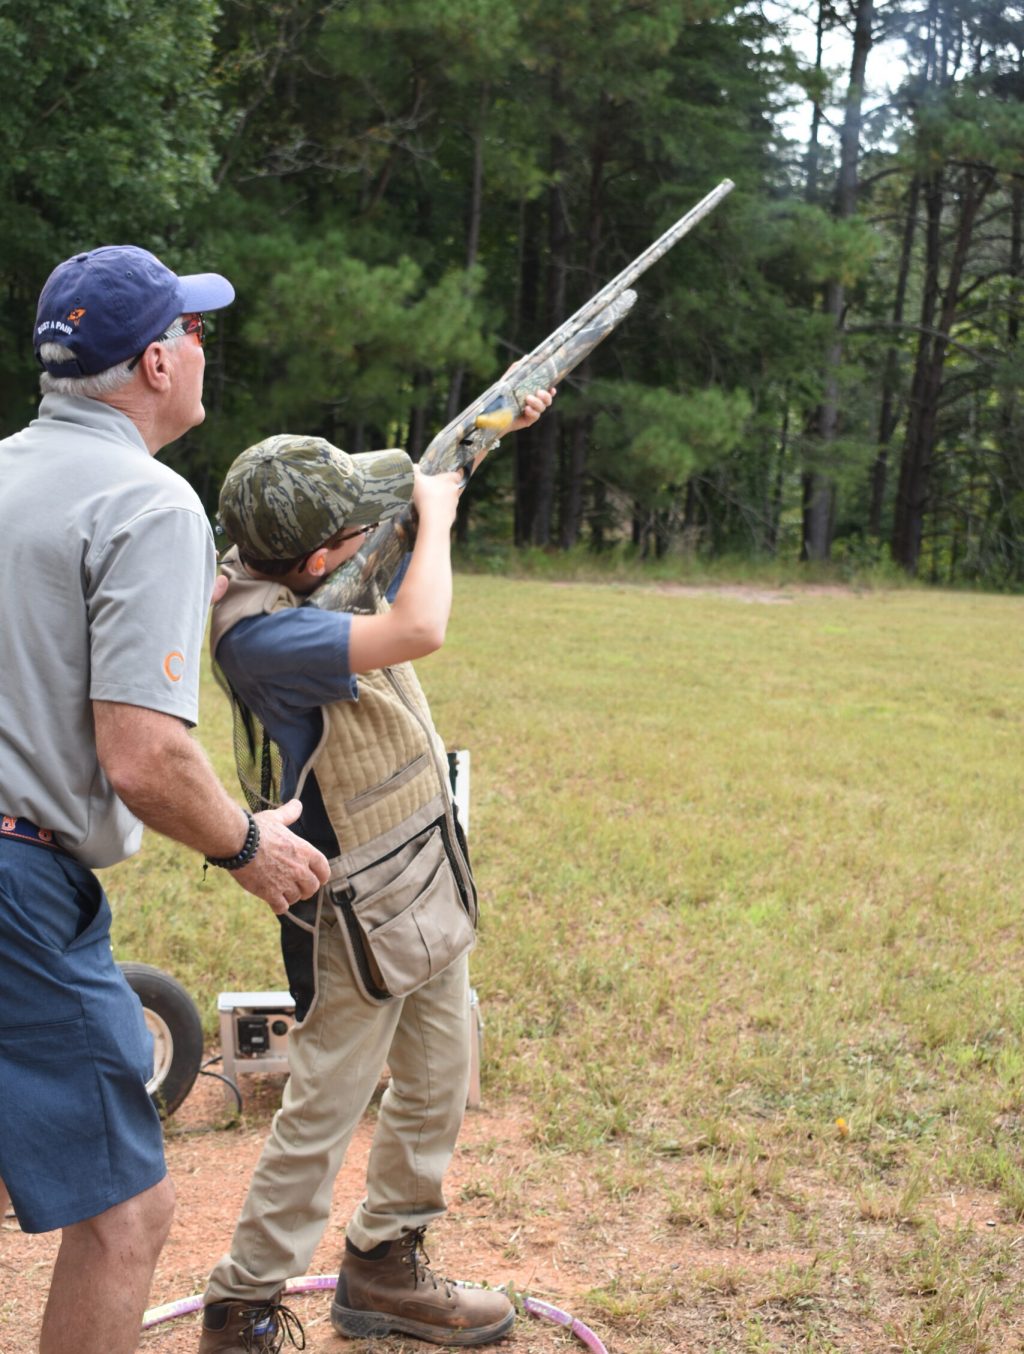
(106, 567)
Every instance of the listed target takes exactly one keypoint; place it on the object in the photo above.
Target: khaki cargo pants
(336, 1057)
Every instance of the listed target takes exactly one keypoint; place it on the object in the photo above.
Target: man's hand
(163, 776)
(285, 868)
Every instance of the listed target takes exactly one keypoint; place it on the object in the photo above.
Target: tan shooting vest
(380, 763)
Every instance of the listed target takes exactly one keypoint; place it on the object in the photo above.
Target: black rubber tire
(173, 1020)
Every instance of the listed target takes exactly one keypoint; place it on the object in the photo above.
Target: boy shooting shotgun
(377, 961)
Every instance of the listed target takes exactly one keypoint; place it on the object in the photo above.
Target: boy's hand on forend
(533, 407)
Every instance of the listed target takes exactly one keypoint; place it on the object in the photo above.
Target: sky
(884, 70)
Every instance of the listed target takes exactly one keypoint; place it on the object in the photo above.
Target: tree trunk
(888, 417)
(819, 483)
(476, 197)
(817, 115)
(919, 449)
(599, 516)
(775, 506)
(571, 518)
(908, 518)
(572, 504)
(558, 242)
(1008, 481)
(417, 419)
(530, 322)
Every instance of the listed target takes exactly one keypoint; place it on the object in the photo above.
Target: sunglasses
(340, 539)
(188, 324)
(351, 535)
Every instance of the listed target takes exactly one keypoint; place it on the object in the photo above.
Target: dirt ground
(782, 595)
(211, 1163)
(560, 1240)
(779, 596)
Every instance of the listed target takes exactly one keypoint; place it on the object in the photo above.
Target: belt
(21, 830)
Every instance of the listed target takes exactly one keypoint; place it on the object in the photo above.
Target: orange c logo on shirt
(172, 670)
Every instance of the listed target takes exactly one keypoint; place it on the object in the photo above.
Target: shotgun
(356, 585)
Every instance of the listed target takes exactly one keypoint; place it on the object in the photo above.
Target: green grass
(746, 870)
(622, 562)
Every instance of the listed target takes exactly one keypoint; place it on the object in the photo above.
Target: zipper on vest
(404, 773)
(455, 855)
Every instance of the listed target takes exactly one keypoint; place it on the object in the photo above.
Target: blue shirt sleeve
(290, 662)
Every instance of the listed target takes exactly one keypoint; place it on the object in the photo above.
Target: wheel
(172, 1018)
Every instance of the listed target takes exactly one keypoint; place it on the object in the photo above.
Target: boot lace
(268, 1325)
(420, 1262)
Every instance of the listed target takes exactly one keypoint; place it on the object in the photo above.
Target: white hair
(101, 382)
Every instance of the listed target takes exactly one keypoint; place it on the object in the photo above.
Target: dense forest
(409, 195)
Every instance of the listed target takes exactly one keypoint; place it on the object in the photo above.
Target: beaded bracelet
(249, 848)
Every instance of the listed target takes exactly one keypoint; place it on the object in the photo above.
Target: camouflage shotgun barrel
(358, 582)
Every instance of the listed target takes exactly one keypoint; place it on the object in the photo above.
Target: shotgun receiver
(355, 585)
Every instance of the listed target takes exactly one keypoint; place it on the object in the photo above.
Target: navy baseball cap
(111, 303)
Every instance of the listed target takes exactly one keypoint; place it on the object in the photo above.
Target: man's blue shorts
(78, 1133)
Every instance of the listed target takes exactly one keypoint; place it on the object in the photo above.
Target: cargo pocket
(404, 919)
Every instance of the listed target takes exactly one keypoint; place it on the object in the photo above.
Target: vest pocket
(404, 919)
(373, 793)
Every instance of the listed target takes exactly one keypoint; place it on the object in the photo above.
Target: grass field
(751, 949)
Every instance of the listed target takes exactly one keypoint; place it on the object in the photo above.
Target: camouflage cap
(289, 494)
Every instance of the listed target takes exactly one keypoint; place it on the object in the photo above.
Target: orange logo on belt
(172, 671)
(75, 315)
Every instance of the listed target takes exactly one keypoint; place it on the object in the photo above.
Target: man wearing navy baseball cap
(103, 307)
(105, 577)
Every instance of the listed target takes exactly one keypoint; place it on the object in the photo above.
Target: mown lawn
(751, 948)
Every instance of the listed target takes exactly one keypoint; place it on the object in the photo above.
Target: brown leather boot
(391, 1290)
(255, 1327)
